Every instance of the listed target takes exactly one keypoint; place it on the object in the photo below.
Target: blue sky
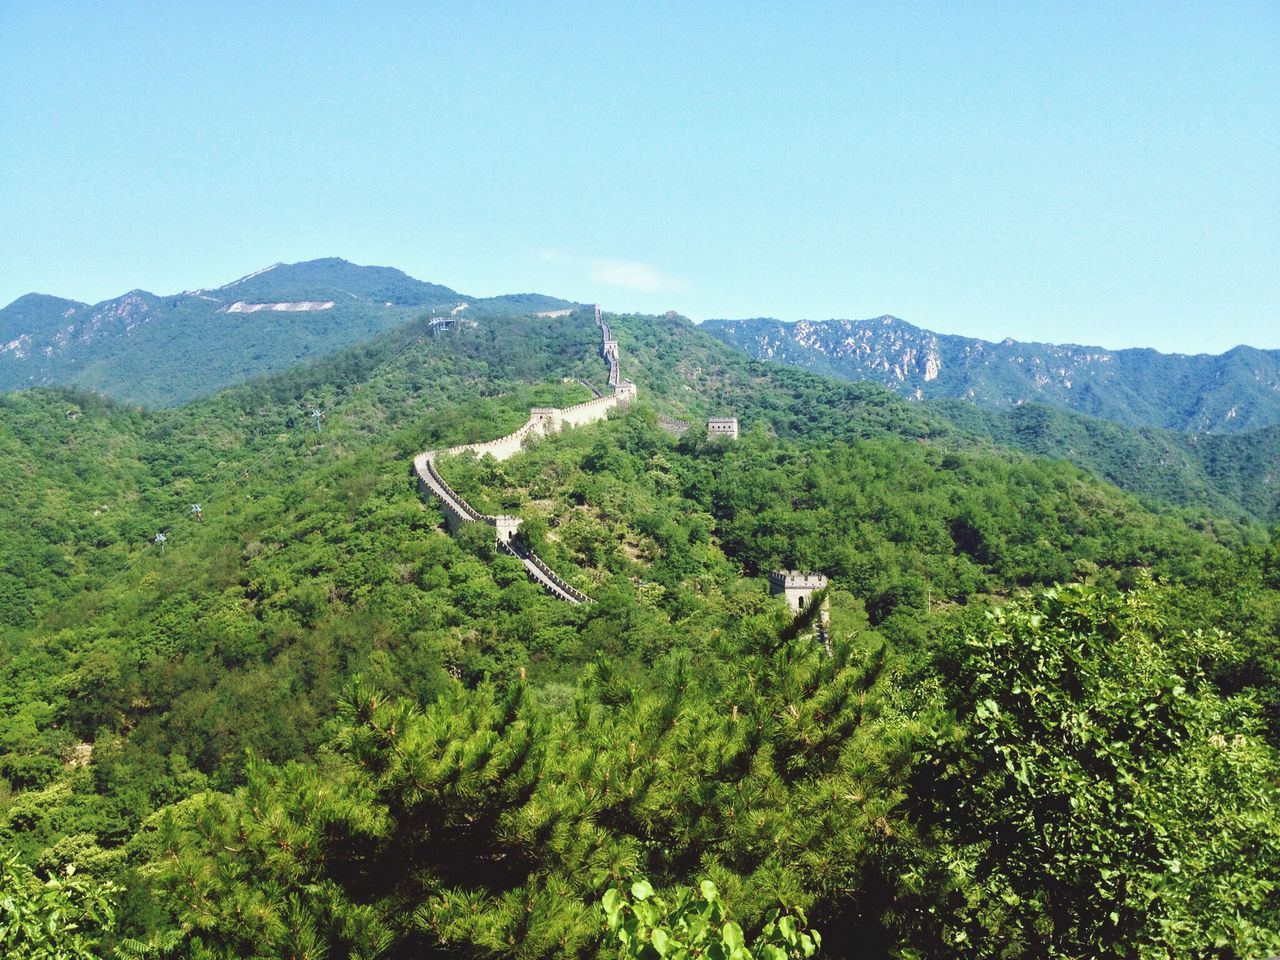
(1097, 173)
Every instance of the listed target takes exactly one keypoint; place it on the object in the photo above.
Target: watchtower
(548, 419)
(797, 587)
(722, 427)
(505, 527)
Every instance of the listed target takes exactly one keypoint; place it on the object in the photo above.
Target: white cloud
(632, 275)
(553, 255)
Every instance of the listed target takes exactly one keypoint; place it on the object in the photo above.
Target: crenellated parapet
(542, 573)
(456, 510)
(796, 587)
(542, 421)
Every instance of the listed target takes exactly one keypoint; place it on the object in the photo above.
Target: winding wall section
(542, 420)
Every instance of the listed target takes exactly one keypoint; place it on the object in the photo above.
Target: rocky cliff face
(1237, 391)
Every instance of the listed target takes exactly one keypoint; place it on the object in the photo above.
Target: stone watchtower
(797, 587)
(505, 527)
(722, 427)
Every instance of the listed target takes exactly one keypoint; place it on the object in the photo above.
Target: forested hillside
(1228, 474)
(309, 722)
(1225, 472)
(165, 350)
(1234, 392)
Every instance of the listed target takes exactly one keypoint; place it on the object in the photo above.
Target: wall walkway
(542, 420)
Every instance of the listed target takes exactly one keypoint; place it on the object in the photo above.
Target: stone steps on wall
(458, 511)
(542, 574)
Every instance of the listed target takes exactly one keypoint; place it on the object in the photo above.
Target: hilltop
(1235, 392)
(174, 703)
(1224, 472)
(165, 350)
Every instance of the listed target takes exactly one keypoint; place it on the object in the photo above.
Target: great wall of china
(794, 586)
(542, 421)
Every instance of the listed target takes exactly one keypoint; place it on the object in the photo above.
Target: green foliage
(75, 466)
(61, 918)
(486, 822)
(1233, 392)
(1225, 473)
(528, 753)
(697, 924)
(1098, 798)
(1143, 429)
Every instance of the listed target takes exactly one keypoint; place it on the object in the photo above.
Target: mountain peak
(36, 315)
(1237, 391)
(265, 320)
(250, 276)
(41, 300)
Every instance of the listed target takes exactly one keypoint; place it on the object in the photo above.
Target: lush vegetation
(1237, 391)
(317, 725)
(1230, 474)
(1227, 473)
(698, 925)
(62, 917)
(165, 350)
(1101, 799)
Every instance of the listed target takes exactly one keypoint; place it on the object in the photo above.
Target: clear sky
(1101, 173)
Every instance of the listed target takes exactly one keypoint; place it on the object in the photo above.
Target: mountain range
(1198, 431)
(241, 651)
(1237, 391)
(165, 350)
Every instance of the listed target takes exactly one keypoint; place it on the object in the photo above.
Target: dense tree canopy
(317, 724)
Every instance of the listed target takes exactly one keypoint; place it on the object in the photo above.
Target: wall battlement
(542, 421)
(796, 587)
(794, 578)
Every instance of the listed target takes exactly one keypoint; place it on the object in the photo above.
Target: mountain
(341, 725)
(1234, 392)
(1228, 473)
(162, 351)
(165, 350)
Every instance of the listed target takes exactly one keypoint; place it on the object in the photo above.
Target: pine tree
(481, 826)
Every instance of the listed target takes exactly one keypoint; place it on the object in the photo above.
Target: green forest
(168, 350)
(1043, 720)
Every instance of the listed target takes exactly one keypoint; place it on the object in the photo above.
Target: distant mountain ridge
(1223, 472)
(165, 350)
(1234, 392)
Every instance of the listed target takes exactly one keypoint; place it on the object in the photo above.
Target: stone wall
(542, 421)
(589, 412)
